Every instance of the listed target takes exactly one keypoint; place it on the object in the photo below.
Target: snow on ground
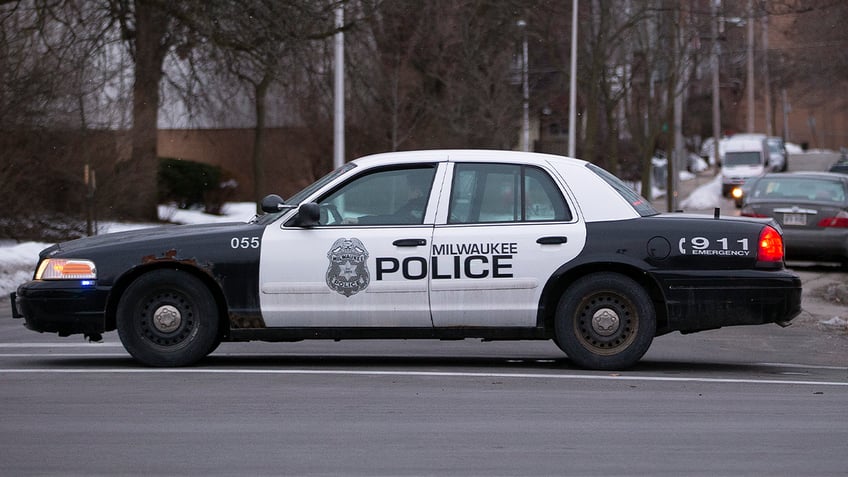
(18, 260)
(705, 197)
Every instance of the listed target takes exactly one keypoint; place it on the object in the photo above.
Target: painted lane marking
(60, 345)
(64, 355)
(449, 374)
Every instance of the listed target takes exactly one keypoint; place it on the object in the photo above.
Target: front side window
(491, 193)
(384, 197)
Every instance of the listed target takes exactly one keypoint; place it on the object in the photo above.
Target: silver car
(812, 208)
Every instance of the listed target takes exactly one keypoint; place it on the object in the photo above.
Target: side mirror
(272, 203)
(308, 215)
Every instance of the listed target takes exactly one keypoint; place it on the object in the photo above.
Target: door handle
(409, 243)
(551, 240)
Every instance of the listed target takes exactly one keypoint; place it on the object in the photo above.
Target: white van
(745, 156)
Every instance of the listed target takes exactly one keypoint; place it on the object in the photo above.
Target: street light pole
(339, 112)
(525, 83)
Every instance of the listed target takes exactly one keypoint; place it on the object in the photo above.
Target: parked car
(778, 157)
(841, 165)
(497, 245)
(745, 156)
(812, 209)
(707, 151)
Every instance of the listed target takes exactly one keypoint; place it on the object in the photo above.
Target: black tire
(605, 321)
(168, 318)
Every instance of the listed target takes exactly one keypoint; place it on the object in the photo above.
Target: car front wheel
(168, 318)
(605, 321)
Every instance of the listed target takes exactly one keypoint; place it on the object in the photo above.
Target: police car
(449, 244)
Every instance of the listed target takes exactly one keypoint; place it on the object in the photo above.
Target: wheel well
(125, 280)
(557, 286)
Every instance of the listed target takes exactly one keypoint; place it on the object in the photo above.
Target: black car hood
(146, 236)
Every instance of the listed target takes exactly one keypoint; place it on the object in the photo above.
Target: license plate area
(794, 219)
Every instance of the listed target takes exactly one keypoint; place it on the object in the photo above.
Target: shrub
(186, 182)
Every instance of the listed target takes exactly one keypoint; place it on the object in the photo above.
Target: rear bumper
(65, 308)
(698, 301)
(818, 244)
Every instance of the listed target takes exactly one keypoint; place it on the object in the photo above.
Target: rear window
(799, 188)
(639, 203)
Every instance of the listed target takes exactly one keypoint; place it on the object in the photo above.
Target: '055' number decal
(244, 242)
(722, 246)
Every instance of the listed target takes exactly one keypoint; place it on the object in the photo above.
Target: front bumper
(61, 307)
(699, 301)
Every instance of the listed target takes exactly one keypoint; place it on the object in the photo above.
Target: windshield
(301, 196)
(751, 158)
(639, 203)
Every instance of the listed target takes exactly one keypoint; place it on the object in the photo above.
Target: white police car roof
(470, 155)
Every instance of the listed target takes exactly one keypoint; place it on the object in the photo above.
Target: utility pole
(572, 100)
(750, 82)
(766, 85)
(716, 87)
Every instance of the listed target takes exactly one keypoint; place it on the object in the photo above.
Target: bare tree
(256, 44)
(50, 81)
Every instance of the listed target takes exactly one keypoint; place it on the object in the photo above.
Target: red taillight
(770, 245)
(833, 222)
(840, 220)
(747, 213)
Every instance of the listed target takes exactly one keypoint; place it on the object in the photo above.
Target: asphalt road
(737, 401)
(748, 400)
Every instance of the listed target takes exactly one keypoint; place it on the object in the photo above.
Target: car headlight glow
(737, 193)
(65, 269)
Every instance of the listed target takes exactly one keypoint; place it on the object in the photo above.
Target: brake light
(770, 247)
(840, 220)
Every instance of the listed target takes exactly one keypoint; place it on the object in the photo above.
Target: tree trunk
(138, 178)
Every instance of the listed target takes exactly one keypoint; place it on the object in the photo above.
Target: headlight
(65, 269)
(737, 193)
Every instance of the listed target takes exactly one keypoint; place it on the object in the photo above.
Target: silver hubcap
(167, 318)
(605, 322)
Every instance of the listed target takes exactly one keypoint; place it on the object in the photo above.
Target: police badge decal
(348, 270)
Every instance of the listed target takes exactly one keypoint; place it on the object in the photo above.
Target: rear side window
(639, 203)
(490, 193)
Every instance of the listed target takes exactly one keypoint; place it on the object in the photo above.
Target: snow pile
(231, 212)
(706, 197)
(18, 261)
(835, 323)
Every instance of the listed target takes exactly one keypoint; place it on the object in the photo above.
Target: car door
(506, 229)
(364, 264)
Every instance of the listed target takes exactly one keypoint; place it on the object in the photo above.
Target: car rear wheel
(168, 318)
(605, 321)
